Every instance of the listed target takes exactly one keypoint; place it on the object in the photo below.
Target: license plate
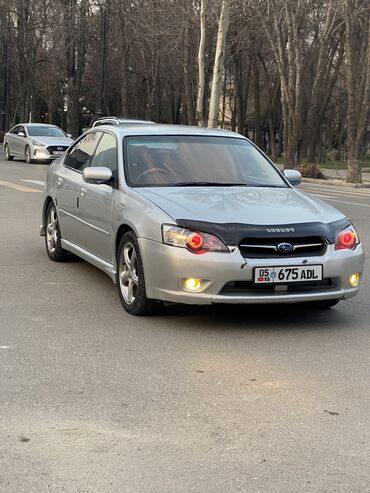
(57, 153)
(287, 273)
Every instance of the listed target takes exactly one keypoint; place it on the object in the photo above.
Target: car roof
(36, 125)
(159, 129)
(121, 120)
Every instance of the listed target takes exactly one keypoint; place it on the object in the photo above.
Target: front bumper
(42, 154)
(165, 266)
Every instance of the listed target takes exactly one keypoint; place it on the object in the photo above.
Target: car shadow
(289, 317)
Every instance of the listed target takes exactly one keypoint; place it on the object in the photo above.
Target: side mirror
(70, 136)
(21, 134)
(98, 175)
(293, 176)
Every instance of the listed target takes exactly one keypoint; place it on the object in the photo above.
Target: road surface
(212, 399)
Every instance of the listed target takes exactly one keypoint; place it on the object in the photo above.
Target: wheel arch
(122, 230)
(47, 201)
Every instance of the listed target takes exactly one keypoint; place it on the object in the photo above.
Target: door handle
(83, 191)
(60, 182)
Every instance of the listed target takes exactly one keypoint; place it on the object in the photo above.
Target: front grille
(308, 246)
(240, 288)
(52, 149)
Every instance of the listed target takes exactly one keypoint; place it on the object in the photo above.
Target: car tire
(130, 278)
(7, 155)
(325, 304)
(52, 235)
(27, 155)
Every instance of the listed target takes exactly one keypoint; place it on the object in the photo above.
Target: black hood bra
(233, 233)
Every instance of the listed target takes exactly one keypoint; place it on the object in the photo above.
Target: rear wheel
(52, 236)
(130, 278)
(27, 155)
(7, 155)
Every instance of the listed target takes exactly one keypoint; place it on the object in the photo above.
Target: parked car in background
(35, 142)
(199, 216)
(117, 120)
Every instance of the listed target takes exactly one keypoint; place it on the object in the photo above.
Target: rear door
(68, 184)
(96, 228)
(11, 139)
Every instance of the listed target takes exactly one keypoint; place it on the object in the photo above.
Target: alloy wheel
(128, 276)
(52, 230)
(28, 155)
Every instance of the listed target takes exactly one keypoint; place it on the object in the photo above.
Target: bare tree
(223, 25)
(357, 81)
(201, 69)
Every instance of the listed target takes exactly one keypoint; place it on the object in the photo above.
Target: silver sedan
(35, 142)
(198, 216)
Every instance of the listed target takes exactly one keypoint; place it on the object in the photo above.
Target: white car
(35, 142)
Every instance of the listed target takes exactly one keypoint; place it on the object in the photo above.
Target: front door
(96, 231)
(19, 143)
(68, 184)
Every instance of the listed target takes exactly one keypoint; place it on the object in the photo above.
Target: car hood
(53, 141)
(264, 206)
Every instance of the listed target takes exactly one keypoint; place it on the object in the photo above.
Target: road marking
(36, 182)
(330, 198)
(19, 188)
(4, 347)
(320, 195)
(335, 190)
(349, 203)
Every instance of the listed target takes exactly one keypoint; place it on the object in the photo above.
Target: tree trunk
(257, 103)
(223, 25)
(356, 93)
(201, 72)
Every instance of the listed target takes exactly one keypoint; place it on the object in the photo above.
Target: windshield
(41, 131)
(165, 161)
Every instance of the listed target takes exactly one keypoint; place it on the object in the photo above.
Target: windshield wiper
(261, 185)
(208, 184)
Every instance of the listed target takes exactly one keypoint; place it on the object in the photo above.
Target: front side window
(106, 153)
(195, 161)
(81, 154)
(42, 131)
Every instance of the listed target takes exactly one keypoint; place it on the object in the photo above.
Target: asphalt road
(214, 399)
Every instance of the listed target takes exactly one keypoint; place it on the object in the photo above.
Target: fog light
(354, 279)
(192, 284)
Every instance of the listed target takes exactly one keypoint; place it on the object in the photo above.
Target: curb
(337, 183)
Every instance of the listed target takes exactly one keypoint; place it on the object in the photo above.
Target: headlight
(194, 241)
(37, 144)
(347, 239)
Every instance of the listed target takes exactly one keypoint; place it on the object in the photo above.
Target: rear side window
(81, 154)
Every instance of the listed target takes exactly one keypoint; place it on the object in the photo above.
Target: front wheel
(27, 155)
(52, 236)
(130, 277)
(7, 155)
